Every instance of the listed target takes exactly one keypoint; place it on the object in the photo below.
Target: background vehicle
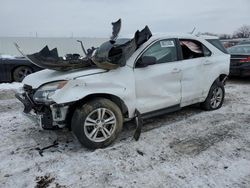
(240, 60)
(244, 42)
(164, 74)
(15, 68)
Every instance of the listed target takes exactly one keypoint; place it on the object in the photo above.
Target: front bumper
(46, 116)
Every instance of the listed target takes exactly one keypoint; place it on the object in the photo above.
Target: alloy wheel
(216, 97)
(100, 124)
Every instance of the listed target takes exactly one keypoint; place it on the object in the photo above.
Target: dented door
(195, 55)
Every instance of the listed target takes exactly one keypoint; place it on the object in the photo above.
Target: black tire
(209, 103)
(83, 131)
(21, 72)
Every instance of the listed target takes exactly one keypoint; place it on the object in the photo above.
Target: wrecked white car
(124, 79)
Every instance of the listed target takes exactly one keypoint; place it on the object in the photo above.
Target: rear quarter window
(216, 43)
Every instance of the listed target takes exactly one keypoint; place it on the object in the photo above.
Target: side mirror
(146, 61)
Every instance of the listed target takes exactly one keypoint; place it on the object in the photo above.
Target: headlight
(45, 92)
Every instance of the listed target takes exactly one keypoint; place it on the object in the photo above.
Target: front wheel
(215, 97)
(97, 123)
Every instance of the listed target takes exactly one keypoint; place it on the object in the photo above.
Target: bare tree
(225, 36)
(242, 32)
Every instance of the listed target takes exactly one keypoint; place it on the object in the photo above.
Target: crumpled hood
(39, 78)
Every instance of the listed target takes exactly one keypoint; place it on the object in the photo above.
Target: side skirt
(160, 112)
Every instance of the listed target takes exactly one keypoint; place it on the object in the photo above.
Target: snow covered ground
(189, 148)
(10, 86)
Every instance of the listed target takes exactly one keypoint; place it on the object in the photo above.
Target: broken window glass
(193, 49)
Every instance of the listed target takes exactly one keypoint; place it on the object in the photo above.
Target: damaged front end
(40, 108)
(38, 103)
(110, 55)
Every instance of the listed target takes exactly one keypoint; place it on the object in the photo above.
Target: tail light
(245, 60)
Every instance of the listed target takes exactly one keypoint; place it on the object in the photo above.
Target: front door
(158, 86)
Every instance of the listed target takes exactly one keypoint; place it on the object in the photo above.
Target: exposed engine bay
(110, 55)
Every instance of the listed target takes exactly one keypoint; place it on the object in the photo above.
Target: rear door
(158, 86)
(194, 70)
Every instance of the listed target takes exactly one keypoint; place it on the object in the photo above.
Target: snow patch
(4, 56)
(10, 86)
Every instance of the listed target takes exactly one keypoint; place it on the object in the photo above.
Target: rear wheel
(215, 97)
(97, 123)
(20, 73)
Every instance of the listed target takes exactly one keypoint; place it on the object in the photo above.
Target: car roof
(182, 35)
(208, 37)
(156, 36)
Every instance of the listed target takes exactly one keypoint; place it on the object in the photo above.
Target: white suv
(166, 73)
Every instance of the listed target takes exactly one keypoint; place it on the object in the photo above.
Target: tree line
(241, 32)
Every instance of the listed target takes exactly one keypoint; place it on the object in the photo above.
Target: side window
(217, 44)
(162, 52)
(193, 49)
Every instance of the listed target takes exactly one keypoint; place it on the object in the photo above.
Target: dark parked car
(15, 68)
(244, 42)
(240, 60)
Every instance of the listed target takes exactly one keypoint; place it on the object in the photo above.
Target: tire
(21, 72)
(88, 123)
(215, 97)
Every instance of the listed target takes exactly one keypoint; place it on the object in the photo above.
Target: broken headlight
(45, 92)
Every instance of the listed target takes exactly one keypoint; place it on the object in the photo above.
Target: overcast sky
(92, 18)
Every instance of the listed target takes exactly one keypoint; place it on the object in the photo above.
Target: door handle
(176, 70)
(207, 62)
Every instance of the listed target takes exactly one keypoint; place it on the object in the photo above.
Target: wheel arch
(220, 82)
(222, 78)
(117, 100)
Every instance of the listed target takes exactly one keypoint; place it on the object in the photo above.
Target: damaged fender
(99, 84)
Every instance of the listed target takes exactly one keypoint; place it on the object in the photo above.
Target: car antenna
(193, 30)
(84, 51)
